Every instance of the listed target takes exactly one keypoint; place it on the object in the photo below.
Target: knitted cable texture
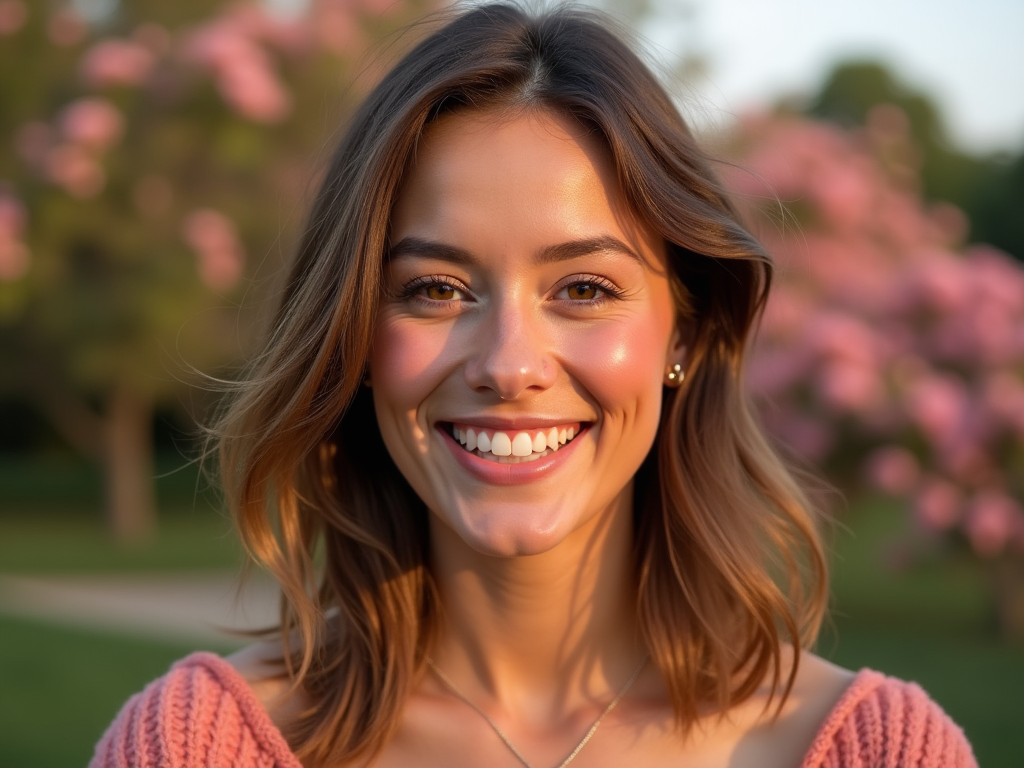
(203, 714)
(882, 722)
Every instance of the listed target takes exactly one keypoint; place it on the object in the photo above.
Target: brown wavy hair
(729, 563)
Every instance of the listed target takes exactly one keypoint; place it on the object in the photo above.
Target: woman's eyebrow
(418, 246)
(576, 248)
(572, 249)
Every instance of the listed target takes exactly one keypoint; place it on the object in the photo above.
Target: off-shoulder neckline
(863, 683)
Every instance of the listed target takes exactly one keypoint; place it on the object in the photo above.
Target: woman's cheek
(619, 364)
(408, 360)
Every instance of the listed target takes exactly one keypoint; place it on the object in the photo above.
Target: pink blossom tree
(148, 162)
(891, 353)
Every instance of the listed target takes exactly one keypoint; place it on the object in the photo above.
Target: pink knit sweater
(202, 714)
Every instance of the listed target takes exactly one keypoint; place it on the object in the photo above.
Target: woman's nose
(510, 354)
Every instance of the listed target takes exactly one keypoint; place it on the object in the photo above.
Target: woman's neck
(555, 627)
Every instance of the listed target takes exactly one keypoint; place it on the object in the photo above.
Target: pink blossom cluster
(70, 152)
(14, 253)
(66, 27)
(13, 14)
(233, 48)
(240, 48)
(117, 62)
(887, 342)
(219, 251)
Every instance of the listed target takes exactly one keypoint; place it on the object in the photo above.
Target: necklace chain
(583, 742)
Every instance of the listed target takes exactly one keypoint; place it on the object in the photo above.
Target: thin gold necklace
(583, 742)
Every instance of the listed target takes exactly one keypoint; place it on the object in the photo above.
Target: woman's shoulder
(881, 720)
(261, 667)
(203, 712)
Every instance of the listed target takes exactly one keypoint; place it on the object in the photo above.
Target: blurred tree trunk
(120, 440)
(128, 465)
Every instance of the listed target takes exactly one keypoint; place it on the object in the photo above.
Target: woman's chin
(511, 530)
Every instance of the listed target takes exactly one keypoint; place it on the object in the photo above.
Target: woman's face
(524, 305)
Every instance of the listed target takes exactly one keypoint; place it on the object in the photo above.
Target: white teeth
(501, 444)
(513, 459)
(538, 444)
(512, 447)
(521, 444)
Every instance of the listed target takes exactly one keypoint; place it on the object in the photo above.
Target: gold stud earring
(675, 375)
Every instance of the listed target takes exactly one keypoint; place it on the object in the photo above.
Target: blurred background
(154, 162)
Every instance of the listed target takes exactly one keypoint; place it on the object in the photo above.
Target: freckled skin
(510, 341)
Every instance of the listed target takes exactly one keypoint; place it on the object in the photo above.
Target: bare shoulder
(785, 739)
(817, 688)
(820, 683)
(261, 666)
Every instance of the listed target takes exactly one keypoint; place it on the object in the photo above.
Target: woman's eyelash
(413, 287)
(607, 288)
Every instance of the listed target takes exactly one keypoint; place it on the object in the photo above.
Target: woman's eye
(441, 292)
(435, 290)
(588, 290)
(583, 291)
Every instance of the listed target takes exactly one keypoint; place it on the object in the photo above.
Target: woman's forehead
(487, 175)
(522, 145)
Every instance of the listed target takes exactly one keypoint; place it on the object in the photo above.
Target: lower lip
(510, 474)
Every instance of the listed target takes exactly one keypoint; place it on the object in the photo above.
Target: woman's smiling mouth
(494, 468)
(513, 446)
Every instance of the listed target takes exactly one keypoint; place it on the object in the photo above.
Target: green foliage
(886, 575)
(997, 215)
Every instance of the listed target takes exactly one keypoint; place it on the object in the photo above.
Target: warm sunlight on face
(520, 351)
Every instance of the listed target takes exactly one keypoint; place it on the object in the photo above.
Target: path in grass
(182, 607)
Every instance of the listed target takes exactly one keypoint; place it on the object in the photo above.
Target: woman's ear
(675, 355)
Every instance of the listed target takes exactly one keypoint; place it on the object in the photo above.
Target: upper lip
(514, 423)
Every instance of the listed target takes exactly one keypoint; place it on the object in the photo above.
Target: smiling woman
(522, 296)
(498, 454)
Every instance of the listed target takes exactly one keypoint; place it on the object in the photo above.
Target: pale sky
(968, 54)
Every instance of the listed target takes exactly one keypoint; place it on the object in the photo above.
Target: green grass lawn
(74, 545)
(51, 521)
(64, 485)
